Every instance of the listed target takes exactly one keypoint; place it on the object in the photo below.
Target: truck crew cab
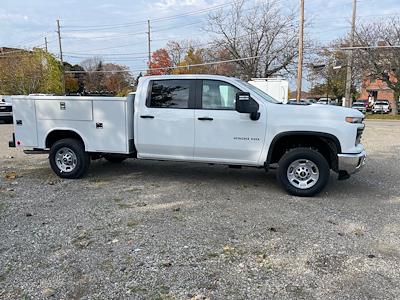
(194, 118)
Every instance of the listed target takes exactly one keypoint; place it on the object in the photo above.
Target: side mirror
(244, 104)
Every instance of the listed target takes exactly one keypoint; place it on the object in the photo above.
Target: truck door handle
(205, 119)
(147, 117)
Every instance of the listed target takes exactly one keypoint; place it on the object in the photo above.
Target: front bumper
(351, 163)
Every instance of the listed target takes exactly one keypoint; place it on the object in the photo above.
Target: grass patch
(124, 205)
(212, 255)
(132, 223)
(382, 117)
(133, 190)
(82, 241)
(164, 293)
(137, 289)
(178, 217)
(2, 206)
(107, 266)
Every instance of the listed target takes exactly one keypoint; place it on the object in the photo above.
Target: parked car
(194, 118)
(365, 103)
(325, 101)
(311, 100)
(360, 106)
(381, 106)
(294, 102)
(6, 114)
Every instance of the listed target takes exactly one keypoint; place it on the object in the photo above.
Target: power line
(104, 37)
(127, 58)
(195, 12)
(105, 54)
(369, 47)
(168, 68)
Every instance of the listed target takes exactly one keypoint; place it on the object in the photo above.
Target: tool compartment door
(109, 132)
(56, 109)
(25, 122)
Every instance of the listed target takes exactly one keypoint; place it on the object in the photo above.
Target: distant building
(376, 89)
(303, 95)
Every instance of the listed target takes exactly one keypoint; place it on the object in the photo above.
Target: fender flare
(65, 129)
(277, 137)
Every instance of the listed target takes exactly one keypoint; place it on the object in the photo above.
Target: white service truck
(194, 118)
(276, 87)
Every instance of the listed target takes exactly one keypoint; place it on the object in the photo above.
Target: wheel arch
(327, 143)
(57, 134)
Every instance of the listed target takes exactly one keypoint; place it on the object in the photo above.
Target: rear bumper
(351, 163)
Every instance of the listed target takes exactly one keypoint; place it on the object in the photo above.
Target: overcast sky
(88, 25)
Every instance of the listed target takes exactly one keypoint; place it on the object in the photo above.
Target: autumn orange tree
(160, 63)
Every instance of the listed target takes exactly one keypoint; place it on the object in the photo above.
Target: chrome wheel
(66, 160)
(303, 174)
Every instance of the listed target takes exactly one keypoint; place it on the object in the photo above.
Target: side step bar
(36, 151)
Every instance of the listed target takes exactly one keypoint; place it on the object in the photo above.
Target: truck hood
(320, 111)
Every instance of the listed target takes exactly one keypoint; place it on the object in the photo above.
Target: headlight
(354, 120)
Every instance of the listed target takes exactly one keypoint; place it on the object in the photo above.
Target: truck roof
(186, 76)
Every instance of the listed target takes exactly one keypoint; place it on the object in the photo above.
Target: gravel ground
(166, 230)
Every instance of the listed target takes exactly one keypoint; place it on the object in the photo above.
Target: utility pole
(59, 41)
(148, 42)
(61, 56)
(45, 43)
(348, 101)
(301, 47)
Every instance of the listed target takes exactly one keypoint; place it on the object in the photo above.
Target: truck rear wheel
(68, 158)
(303, 172)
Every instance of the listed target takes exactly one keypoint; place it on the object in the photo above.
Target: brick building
(376, 89)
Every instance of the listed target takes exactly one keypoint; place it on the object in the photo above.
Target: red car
(366, 104)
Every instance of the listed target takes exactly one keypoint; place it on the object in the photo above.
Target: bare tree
(380, 59)
(93, 78)
(263, 32)
(177, 50)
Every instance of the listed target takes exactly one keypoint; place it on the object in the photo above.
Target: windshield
(259, 92)
(382, 103)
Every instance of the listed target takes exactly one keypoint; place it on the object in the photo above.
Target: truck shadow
(178, 171)
(206, 174)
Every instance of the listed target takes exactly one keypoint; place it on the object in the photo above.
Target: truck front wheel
(303, 172)
(68, 158)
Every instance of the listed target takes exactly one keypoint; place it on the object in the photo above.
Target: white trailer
(276, 87)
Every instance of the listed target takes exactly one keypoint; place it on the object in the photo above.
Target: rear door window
(170, 94)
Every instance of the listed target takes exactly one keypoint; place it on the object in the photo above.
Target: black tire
(312, 156)
(82, 160)
(115, 158)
